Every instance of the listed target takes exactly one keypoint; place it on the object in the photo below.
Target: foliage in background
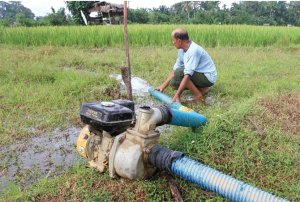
(211, 12)
(153, 35)
(278, 13)
(15, 13)
(56, 18)
(76, 6)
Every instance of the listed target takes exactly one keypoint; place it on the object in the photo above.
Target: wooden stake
(173, 188)
(125, 71)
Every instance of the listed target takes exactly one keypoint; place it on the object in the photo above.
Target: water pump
(116, 140)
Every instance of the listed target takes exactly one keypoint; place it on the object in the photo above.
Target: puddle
(27, 161)
(141, 96)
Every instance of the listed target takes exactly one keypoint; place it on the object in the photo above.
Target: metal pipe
(224, 185)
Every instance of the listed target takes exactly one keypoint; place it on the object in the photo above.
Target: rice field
(151, 35)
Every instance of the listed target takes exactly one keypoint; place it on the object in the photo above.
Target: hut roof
(106, 7)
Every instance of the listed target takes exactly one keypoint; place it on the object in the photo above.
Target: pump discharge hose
(206, 177)
(181, 115)
(181, 118)
(166, 99)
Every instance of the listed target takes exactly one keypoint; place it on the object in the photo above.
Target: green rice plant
(150, 35)
(1, 33)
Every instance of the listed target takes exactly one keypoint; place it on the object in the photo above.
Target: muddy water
(139, 86)
(49, 155)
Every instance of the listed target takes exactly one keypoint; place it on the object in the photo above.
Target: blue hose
(164, 98)
(222, 184)
(187, 119)
(181, 115)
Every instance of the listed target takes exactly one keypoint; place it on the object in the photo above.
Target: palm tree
(187, 6)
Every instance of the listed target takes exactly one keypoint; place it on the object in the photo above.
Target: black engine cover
(113, 117)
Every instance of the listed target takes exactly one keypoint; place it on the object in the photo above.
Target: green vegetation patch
(252, 133)
(82, 184)
(150, 35)
(42, 89)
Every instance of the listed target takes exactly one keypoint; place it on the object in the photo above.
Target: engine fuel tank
(109, 116)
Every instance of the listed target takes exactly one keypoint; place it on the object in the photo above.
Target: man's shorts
(198, 79)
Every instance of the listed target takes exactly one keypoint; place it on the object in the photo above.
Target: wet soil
(44, 156)
(47, 155)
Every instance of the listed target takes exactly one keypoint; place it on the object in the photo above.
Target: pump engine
(106, 145)
(117, 141)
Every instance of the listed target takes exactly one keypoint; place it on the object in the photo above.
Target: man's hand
(176, 98)
(160, 88)
(165, 84)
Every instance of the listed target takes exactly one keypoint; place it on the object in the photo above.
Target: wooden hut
(104, 12)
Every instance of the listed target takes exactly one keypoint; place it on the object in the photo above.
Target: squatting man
(193, 70)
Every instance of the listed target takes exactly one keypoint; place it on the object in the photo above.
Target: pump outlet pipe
(207, 177)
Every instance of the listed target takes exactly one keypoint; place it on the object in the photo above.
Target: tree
(138, 15)
(10, 11)
(180, 12)
(22, 20)
(211, 11)
(57, 18)
(240, 15)
(76, 6)
(293, 15)
(159, 15)
(224, 15)
(280, 14)
(187, 6)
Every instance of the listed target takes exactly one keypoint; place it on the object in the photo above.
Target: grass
(43, 87)
(35, 92)
(149, 35)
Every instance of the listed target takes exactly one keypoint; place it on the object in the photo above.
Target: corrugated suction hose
(206, 177)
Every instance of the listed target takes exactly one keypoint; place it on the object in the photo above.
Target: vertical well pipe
(126, 71)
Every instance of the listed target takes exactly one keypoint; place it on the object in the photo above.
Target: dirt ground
(285, 110)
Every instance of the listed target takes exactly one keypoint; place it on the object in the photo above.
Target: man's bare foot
(193, 99)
